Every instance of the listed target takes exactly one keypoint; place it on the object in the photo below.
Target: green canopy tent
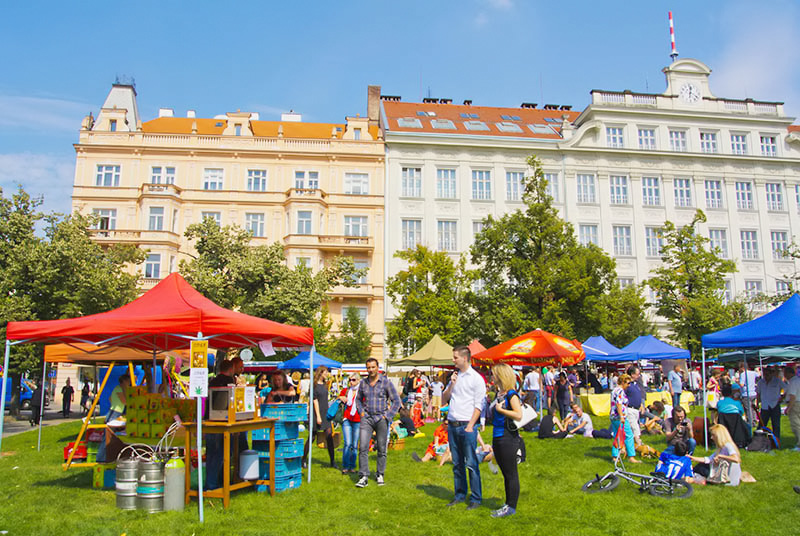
(435, 353)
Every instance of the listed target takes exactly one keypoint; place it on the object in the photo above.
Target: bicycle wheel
(606, 483)
(676, 489)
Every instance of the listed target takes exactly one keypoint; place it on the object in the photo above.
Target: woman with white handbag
(505, 438)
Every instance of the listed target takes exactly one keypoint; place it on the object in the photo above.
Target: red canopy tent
(537, 348)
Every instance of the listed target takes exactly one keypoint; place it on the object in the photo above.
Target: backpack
(763, 441)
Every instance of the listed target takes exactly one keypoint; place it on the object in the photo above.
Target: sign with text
(199, 351)
(198, 376)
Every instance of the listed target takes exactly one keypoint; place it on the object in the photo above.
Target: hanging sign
(198, 376)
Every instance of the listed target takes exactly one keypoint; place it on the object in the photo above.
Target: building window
(303, 261)
(739, 143)
(412, 233)
(782, 287)
(479, 287)
(306, 180)
(677, 140)
(514, 187)
(446, 234)
(356, 183)
(797, 196)
(552, 186)
(774, 196)
(769, 146)
(651, 191)
(713, 194)
(614, 137)
(780, 244)
(481, 184)
(107, 175)
(446, 183)
(304, 222)
(355, 226)
(622, 240)
(156, 222)
(212, 178)
(587, 234)
(708, 142)
(152, 266)
(624, 282)
(718, 239)
(107, 219)
(744, 196)
(619, 190)
(654, 241)
(361, 280)
(257, 180)
(162, 175)
(356, 134)
(412, 182)
(254, 222)
(749, 244)
(586, 189)
(647, 139)
(683, 192)
(361, 311)
(216, 216)
(753, 288)
(112, 125)
(727, 293)
(478, 226)
(174, 222)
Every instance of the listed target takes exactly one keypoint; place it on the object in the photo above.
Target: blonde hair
(623, 378)
(505, 376)
(721, 436)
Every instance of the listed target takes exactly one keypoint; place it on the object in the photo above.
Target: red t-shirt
(350, 408)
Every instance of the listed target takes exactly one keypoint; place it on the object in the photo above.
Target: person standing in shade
(319, 420)
(675, 384)
(36, 404)
(67, 394)
(531, 388)
(85, 398)
(465, 394)
(377, 403)
(793, 404)
(748, 379)
(769, 395)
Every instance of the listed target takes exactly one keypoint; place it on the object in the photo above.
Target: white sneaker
(379, 479)
(362, 482)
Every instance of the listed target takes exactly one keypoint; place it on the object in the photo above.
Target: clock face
(690, 92)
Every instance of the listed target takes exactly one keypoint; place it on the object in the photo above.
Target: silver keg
(150, 488)
(126, 482)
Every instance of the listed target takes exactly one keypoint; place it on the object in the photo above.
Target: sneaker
(416, 457)
(473, 505)
(796, 449)
(504, 511)
(492, 467)
(362, 482)
(379, 479)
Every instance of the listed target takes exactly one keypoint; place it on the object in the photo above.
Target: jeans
(368, 425)
(691, 444)
(749, 412)
(629, 449)
(350, 431)
(773, 414)
(215, 457)
(676, 400)
(462, 449)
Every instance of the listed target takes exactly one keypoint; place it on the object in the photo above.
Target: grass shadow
(437, 492)
(76, 479)
(602, 453)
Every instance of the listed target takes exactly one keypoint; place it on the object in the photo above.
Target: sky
(59, 59)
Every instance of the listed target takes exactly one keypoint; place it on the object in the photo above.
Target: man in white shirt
(696, 384)
(793, 399)
(578, 422)
(549, 382)
(769, 395)
(748, 380)
(532, 389)
(436, 397)
(465, 393)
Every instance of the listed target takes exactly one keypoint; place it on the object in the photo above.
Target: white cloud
(47, 175)
(41, 113)
(761, 60)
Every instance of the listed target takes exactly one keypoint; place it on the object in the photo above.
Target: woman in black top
(319, 417)
(563, 395)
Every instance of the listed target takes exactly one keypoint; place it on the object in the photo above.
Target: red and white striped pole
(674, 54)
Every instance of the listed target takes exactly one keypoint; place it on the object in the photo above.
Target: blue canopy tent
(302, 361)
(779, 327)
(648, 347)
(599, 349)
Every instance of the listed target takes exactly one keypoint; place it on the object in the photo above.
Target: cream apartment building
(618, 170)
(317, 188)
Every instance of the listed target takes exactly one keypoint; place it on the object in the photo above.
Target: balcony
(362, 291)
(305, 195)
(135, 237)
(334, 243)
(159, 190)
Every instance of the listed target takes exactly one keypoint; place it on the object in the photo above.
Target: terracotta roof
(205, 126)
(485, 120)
(794, 128)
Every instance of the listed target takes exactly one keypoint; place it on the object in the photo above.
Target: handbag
(333, 409)
(528, 414)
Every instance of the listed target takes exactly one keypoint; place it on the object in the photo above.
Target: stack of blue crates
(288, 447)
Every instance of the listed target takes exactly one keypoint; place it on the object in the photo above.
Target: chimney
(430, 100)
(373, 104)
(391, 98)
(467, 102)
(528, 105)
(165, 112)
(190, 113)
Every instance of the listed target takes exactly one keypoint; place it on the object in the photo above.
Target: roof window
(443, 123)
(510, 118)
(541, 129)
(508, 127)
(218, 124)
(552, 119)
(475, 125)
(409, 122)
(469, 116)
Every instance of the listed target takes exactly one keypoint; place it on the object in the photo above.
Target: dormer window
(112, 125)
(237, 130)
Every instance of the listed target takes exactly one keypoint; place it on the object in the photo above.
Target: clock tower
(687, 83)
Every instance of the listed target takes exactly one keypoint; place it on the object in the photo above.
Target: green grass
(37, 497)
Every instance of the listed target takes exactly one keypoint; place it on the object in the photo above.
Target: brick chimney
(373, 104)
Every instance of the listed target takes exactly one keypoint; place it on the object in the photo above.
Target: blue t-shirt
(675, 379)
(730, 405)
(634, 395)
(498, 419)
(675, 467)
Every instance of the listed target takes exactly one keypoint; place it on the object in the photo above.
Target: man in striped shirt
(377, 403)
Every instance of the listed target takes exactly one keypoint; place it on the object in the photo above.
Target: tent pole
(131, 373)
(6, 377)
(705, 403)
(310, 409)
(153, 388)
(89, 416)
(199, 419)
(41, 406)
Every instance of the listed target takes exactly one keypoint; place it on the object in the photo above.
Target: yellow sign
(523, 347)
(199, 351)
(566, 345)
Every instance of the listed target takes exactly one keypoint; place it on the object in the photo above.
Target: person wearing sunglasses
(350, 423)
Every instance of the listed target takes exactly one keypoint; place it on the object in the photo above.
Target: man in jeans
(375, 394)
(675, 384)
(466, 394)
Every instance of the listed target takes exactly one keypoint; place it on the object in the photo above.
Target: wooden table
(226, 429)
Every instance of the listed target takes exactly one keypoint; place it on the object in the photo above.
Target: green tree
(624, 315)
(256, 279)
(535, 274)
(428, 298)
(353, 345)
(690, 283)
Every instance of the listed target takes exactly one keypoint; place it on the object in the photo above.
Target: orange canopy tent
(89, 354)
(538, 348)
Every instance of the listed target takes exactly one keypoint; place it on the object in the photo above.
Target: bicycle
(656, 484)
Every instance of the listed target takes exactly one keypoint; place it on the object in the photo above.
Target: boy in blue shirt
(676, 464)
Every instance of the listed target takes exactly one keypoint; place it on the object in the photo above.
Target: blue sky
(58, 60)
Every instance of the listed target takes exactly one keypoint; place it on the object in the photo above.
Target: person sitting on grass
(725, 463)
(438, 448)
(406, 423)
(654, 418)
(578, 422)
(678, 428)
(677, 465)
(549, 424)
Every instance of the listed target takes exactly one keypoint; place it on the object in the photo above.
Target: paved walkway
(12, 426)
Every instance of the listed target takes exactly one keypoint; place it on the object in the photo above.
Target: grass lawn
(37, 497)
